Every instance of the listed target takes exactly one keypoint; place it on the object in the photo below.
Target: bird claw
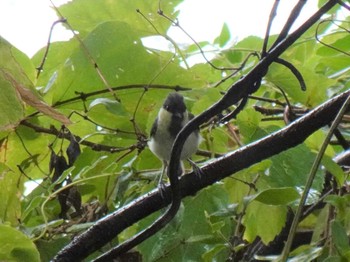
(196, 169)
(162, 189)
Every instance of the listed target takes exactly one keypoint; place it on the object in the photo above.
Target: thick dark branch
(290, 136)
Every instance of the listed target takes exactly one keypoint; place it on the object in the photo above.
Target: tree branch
(290, 136)
(94, 146)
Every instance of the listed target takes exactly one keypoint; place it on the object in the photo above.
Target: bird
(171, 118)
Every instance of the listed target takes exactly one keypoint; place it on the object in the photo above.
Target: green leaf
(58, 55)
(265, 221)
(277, 196)
(85, 15)
(10, 207)
(9, 99)
(238, 191)
(248, 122)
(334, 169)
(111, 105)
(210, 255)
(340, 238)
(234, 56)
(13, 65)
(224, 36)
(338, 41)
(252, 43)
(110, 45)
(16, 63)
(315, 90)
(290, 168)
(15, 246)
(48, 249)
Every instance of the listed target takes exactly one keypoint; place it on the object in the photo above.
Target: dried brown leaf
(31, 99)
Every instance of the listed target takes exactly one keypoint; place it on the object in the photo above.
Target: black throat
(175, 125)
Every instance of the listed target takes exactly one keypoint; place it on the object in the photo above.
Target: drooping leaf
(27, 96)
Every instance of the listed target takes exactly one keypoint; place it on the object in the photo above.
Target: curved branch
(294, 70)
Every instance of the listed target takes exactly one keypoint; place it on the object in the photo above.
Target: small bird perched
(172, 117)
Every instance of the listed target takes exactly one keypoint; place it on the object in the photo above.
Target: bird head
(175, 105)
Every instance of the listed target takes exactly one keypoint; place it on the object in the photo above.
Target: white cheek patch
(165, 116)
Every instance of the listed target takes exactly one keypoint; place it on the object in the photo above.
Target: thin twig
(30, 154)
(178, 50)
(238, 69)
(268, 28)
(41, 66)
